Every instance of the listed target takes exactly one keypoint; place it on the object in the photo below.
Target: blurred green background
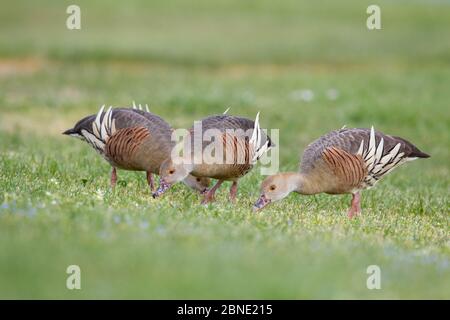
(308, 66)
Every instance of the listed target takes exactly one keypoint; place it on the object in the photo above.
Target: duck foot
(355, 207)
(209, 195)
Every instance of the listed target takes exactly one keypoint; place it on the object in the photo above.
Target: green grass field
(189, 60)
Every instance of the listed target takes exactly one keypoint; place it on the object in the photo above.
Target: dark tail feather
(69, 131)
(414, 152)
(420, 154)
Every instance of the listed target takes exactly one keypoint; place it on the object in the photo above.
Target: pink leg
(150, 181)
(355, 207)
(209, 196)
(233, 191)
(113, 177)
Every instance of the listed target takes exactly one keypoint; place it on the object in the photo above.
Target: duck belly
(221, 171)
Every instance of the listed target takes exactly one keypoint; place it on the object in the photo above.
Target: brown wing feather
(239, 149)
(349, 169)
(122, 145)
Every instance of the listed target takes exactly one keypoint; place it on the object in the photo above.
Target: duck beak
(163, 187)
(261, 203)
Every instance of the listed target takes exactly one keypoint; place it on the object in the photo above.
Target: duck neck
(299, 183)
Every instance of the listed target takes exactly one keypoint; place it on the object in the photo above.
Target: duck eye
(273, 187)
(171, 171)
(198, 179)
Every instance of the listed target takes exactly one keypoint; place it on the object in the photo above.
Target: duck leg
(113, 177)
(209, 196)
(150, 181)
(355, 207)
(233, 191)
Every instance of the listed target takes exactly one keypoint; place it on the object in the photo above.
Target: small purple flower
(144, 225)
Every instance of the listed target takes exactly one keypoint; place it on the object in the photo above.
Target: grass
(188, 61)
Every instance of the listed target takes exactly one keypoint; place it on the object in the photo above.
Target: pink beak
(261, 203)
(163, 187)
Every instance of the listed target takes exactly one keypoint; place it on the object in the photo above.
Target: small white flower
(302, 95)
(332, 94)
(99, 194)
